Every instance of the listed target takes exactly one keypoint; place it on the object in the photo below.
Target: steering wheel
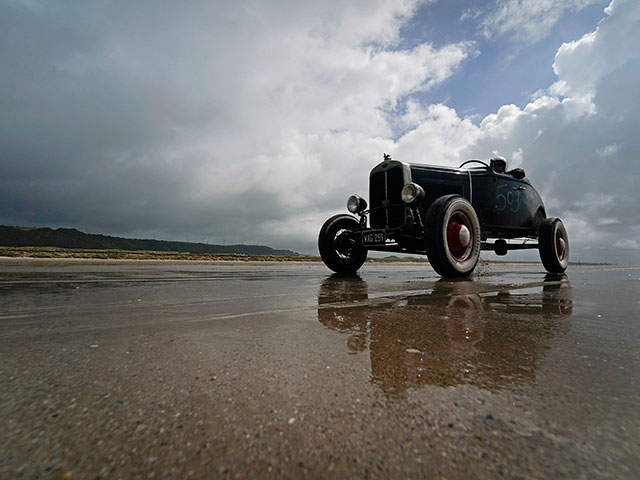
(473, 161)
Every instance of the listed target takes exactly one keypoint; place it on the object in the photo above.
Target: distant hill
(72, 238)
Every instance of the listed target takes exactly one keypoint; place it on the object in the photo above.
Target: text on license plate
(377, 237)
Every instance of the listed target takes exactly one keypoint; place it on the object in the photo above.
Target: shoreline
(25, 260)
(123, 261)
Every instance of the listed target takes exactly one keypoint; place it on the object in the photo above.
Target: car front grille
(387, 209)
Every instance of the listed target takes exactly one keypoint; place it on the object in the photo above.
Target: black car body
(446, 213)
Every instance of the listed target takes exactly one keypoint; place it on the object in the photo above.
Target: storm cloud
(253, 121)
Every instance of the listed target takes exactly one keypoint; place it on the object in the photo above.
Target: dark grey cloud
(211, 119)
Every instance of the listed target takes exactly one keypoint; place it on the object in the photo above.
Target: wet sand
(283, 371)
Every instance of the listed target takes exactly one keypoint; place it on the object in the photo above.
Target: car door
(511, 203)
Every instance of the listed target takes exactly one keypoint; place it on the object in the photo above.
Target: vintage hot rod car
(447, 213)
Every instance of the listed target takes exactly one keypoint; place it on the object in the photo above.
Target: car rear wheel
(553, 245)
(338, 249)
(452, 236)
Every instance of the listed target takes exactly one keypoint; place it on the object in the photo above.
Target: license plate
(374, 237)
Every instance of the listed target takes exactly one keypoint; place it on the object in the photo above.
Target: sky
(253, 121)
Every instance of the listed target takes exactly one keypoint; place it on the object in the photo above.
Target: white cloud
(470, 14)
(608, 150)
(627, 244)
(517, 158)
(608, 221)
(528, 21)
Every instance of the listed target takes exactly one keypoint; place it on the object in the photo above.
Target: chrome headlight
(356, 204)
(411, 192)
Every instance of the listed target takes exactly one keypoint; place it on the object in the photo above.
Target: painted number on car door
(508, 198)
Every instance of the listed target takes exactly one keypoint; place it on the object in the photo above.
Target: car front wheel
(553, 245)
(338, 248)
(452, 236)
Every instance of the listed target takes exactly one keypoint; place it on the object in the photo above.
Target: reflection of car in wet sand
(462, 332)
(447, 214)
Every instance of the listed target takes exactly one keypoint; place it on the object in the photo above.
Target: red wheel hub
(561, 246)
(459, 236)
